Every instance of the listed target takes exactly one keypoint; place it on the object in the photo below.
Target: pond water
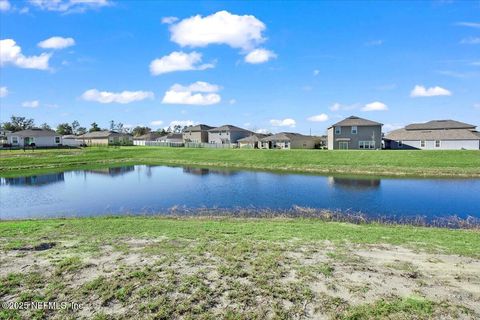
(155, 189)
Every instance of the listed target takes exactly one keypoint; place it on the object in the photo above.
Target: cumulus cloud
(198, 93)
(375, 106)
(70, 6)
(243, 32)
(338, 106)
(421, 91)
(259, 56)
(11, 53)
(156, 123)
(178, 61)
(3, 92)
(283, 123)
(469, 24)
(169, 20)
(4, 5)
(31, 104)
(114, 97)
(470, 40)
(56, 43)
(318, 118)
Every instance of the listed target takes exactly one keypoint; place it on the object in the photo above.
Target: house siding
(430, 145)
(39, 141)
(364, 133)
(195, 136)
(227, 136)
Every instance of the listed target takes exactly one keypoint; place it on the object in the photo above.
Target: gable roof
(287, 136)
(171, 137)
(148, 136)
(452, 134)
(197, 128)
(356, 121)
(253, 138)
(102, 134)
(439, 124)
(35, 132)
(228, 127)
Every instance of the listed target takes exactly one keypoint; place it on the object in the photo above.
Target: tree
(18, 124)
(75, 125)
(140, 131)
(64, 129)
(45, 126)
(81, 130)
(94, 127)
(162, 131)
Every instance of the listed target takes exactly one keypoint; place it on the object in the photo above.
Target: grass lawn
(381, 162)
(204, 268)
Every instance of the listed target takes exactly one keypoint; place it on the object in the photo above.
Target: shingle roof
(148, 136)
(253, 138)
(286, 136)
(452, 134)
(35, 133)
(198, 127)
(171, 137)
(227, 127)
(439, 124)
(356, 121)
(101, 134)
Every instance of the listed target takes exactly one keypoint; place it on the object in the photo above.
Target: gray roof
(253, 138)
(439, 124)
(101, 134)
(197, 128)
(356, 121)
(452, 134)
(228, 127)
(171, 137)
(148, 136)
(70, 136)
(36, 132)
(282, 136)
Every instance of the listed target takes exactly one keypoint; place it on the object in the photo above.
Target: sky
(265, 66)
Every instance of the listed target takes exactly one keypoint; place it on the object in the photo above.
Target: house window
(354, 129)
(338, 130)
(343, 145)
(437, 143)
(422, 144)
(366, 144)
(57, 139)
(14, 140)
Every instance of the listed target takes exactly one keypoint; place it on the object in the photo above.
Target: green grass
(380, 162)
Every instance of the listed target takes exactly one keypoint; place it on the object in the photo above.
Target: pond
(145, 189)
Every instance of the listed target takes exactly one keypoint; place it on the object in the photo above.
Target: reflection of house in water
(205, 171)
(34, 180)
(354, 184)
(116, 171)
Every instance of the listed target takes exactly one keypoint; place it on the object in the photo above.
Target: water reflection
(354, 184)
(38, 180)
(112, 172)
(206, 171)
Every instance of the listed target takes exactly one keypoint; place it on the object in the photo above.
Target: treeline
(22, 123)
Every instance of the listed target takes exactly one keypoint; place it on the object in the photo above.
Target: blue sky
(286, 66)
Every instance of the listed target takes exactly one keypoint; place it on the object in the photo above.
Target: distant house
(171, 138)
(289, 140)
(36, 136)
(434, 135)
(252, 141)
(71, 140)
(196, 134)
(355, 133)
(106, 138)
(150, 136)
(227, 134)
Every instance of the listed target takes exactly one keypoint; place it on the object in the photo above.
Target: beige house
(106, 138)
(252, 141)
(196, 134)
(355, 133)
(289, 140)
(34, 137)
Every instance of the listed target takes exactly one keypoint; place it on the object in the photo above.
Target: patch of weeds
(9, 283)
(69, 264)
(312, 271)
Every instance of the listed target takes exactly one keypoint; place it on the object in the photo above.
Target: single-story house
(227, 134)
(150, 136)
(196, 134)
(434, 135)
(71, 140)
(355, 133)
(289, 140)
(38, 137)
(106, 138)
(252, 141)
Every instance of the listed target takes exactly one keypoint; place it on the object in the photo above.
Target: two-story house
(355, 133)
(227, 134)
(196, 134)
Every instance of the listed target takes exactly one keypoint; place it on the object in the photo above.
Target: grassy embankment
(386, 162)
(163, 268)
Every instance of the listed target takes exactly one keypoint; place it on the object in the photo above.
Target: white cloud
(374, 43)
(178, 61)
(243, 32)
(262, 131)
(4, 5)
(318, 118)
(338, 106)
(316, 72)
(421, 91)
(181, 123)
(470, 40)
(70, 6)
(392, 126)
(113, 97)
(259, 56)
(283, 123)
(469, 24)
(156, 123)
(198, 93)
(11, 53)
(31, 104)
(56, 43)
(3, 92)
(169, 20)
(375, 106)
